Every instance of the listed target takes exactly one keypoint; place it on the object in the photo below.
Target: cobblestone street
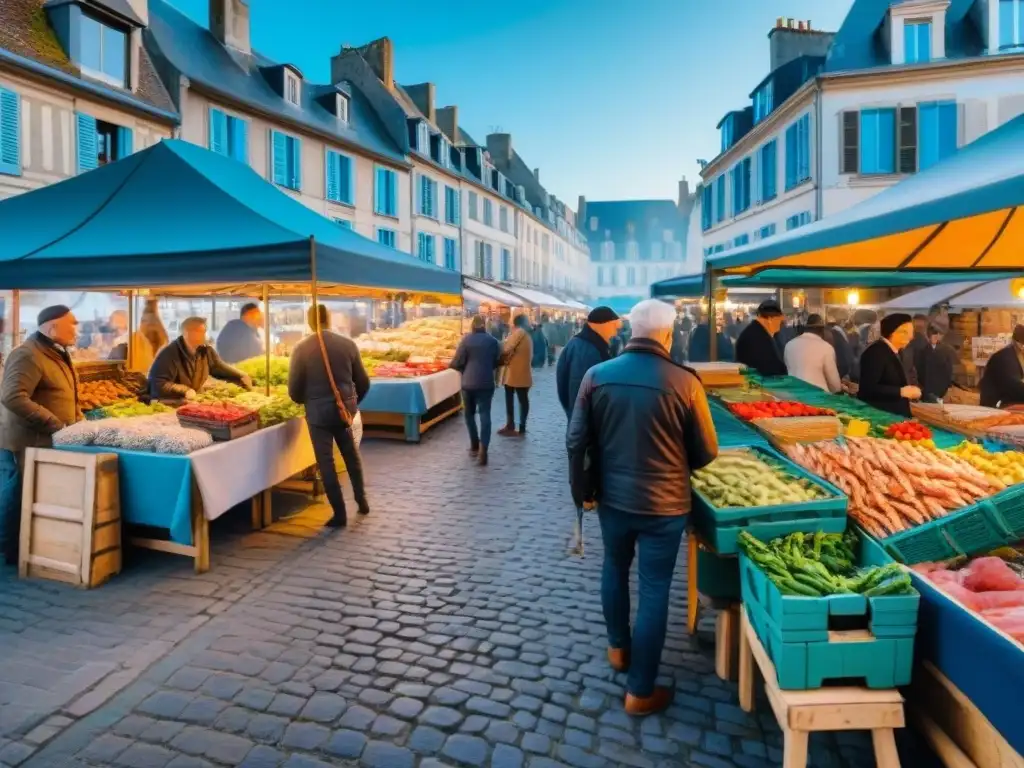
(449, 628)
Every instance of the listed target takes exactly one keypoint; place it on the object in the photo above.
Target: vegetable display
(96, 394)
(1006, 467)
(215, 391)
(126, 409)
(908, 430)
(272, 409)
(892, 485)
(742, 478)
(256, 369)
(433, 339)
(822, 564)
(159, 434)
(405, 370)
(223, 413)
(775, 409)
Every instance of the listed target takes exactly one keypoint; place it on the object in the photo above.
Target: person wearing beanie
(756, 347)
(1002, 384)
(883, 379)
(590, 347)
(38, 397)
(812, 358)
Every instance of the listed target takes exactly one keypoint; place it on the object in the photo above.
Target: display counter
(406, 408)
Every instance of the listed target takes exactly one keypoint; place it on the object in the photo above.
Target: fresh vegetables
(96, 394)
(224, 413)
(908, 430)
(430, 339)
(772, 409)
(741, 478)
(989, 586)
(405, 370)
(822, 564)
(892, 485)
(215, 391)
(256, 369)
(273, 409)
(1006, 467)
(126, 409)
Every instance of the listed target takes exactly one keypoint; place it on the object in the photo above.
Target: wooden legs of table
(727, 627)
(200, 532)
(262, 510)
(747, 678)
(692, 597)
(794, 748)
(886, 755)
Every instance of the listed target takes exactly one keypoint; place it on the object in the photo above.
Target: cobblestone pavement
(448, 628)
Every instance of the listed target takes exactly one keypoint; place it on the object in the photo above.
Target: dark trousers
(476, 401)
(324, 439)
(657, 539)
(523, 394)
(10, 506)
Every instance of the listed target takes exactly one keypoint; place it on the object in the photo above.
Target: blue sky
(612, 99)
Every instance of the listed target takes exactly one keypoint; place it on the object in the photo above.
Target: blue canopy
(176, 214)
(681, 287)
(959, 217)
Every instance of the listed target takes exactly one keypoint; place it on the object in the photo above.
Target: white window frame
(292, 82)
(341, 108)
(100, 75)
(423, 138)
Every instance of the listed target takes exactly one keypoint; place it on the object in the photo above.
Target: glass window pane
(90, 32)
(1006, 27)
(115, 47)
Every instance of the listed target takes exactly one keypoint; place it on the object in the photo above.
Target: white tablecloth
(435, 387)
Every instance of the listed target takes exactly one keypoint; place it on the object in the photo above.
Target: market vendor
(183, 366)
(38, 397)
(1002, 384)
(240, 338)
(756, 347)
(883, 379)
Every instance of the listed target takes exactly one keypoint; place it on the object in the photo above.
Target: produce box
(731, 431)
(815, 640)
(799, 429)
(720, 526)
(222, 421)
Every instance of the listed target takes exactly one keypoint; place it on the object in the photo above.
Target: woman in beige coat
(516, 356)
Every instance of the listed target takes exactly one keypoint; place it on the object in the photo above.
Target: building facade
(841, 117)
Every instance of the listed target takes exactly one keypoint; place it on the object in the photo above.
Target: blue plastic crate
(718, 577)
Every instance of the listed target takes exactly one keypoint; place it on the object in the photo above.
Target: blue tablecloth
(395, 396)
(986, 667)
(156, 489)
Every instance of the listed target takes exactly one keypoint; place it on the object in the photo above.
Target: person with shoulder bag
(327, 376)
(517, 356)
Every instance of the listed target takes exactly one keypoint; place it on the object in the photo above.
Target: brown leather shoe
(618, 659)
(658, 701)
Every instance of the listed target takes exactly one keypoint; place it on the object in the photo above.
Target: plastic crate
(732, 432)
(718, 577)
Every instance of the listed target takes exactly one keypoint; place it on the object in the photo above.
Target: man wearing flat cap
(38, 396)
(1003, 381)
(586, 349)
(756, 347)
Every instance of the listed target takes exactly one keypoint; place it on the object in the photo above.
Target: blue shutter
(125, 142)
(392, 179)
(948, 113)
(218, 132)
(296, 163)
(88, 158)
(279, 158)
(238, 133)
(790, 157)
(332, 168)
(878, 141)
(346, 179)
(10, 132)
(378, 190)
(924, 42)
(430, 249)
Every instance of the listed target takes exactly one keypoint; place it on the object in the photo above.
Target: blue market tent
(959, 218)
(178, 215)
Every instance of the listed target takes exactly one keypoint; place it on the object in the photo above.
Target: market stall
(110, 229)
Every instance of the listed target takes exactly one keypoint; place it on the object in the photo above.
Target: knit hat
(56, 312)
(601, 315)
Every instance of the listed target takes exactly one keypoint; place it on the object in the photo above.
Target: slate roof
(181, 45)
(859, 44)
(25, 31)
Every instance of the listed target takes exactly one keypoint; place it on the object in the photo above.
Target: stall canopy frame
(492, 294)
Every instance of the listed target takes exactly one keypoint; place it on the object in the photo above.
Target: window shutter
(906, 140)
(87, 151)
(948, 128)
(296, 150)
(279, 158)
(346, 179)
(218, 132)
(850, 157)
(239, 133)
(332, 168)
(125, 140)
(378, 191)
(10, 132)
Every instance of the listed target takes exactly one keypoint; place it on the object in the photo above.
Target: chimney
(448, 121)
(422, 96)
(536, 174)
(684, 193)
(500, 147)
(581, 214)
(380, 55)
(789, 40)
(229, 23)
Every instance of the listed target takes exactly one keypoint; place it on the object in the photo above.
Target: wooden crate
(70, 517)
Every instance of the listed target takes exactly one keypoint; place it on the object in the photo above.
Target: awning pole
(312, 284)
(16, 316)
(712, 319)
(266, 335)
(130, 356)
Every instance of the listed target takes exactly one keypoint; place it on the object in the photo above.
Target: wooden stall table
(404, 409)
(799, 713)
(726, 622)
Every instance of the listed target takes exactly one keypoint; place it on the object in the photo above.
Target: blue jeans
(10, 506)
(658, 538)
(474, 401)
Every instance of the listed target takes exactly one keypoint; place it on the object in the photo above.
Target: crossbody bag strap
(346, 417)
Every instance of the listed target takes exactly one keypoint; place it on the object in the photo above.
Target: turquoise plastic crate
(718, 577)
(799, 666)
(731, 431)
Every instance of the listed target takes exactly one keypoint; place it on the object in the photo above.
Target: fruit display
(158, 434)
(892, 485)
(990, 586)
(775, 409)
(432, 339)
(911, 431)
(124, 409)
(742, 478)
(1006, 467)
(272, 409)
(96, 394)
(405, 370)
(221, 413)
(822, 564)
(256, 369)
(215, 391)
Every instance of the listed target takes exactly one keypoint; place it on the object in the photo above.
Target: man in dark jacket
(310, 385)
(183, 366)
(585, 350)
(756, 347)
(910, 353)
(934, 364)
(844, 353)
(643, 424)
(240, 338)
(1002, 384)
(477, 359)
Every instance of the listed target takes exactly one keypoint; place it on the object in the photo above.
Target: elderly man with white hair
(640, 426)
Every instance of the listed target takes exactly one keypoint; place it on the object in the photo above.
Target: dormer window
(728, 132)
(763, 101)
(292, 87)
(1011, 24)
(341, 108)
(103, 51)
(444, 152)
(423, 138)
(917, 41)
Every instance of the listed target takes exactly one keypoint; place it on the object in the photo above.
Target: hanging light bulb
(1017, 288)
(853, 298)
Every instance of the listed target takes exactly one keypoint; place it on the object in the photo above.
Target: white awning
(539, 299)
(997, 294)
(925, 298)
(490, 294)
